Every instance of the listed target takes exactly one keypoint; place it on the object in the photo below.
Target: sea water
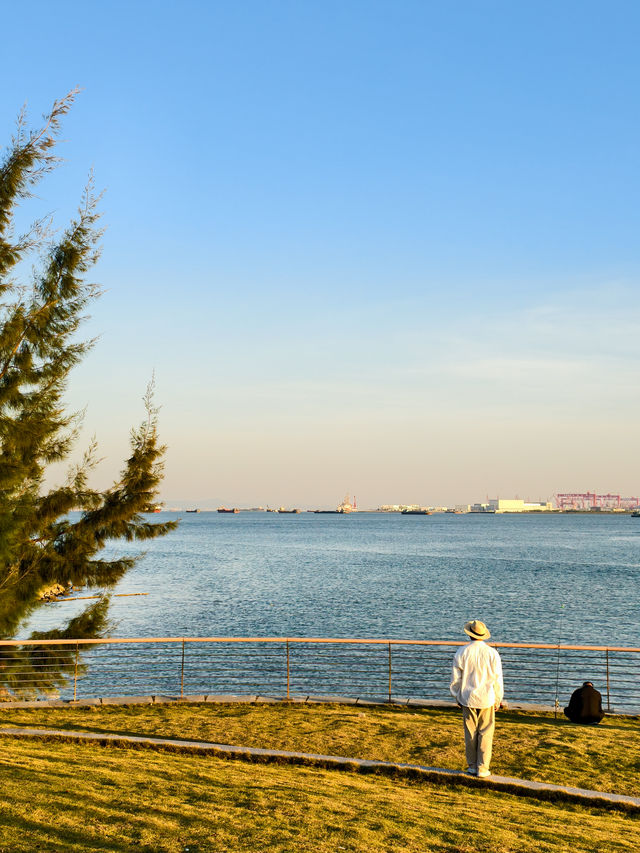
(567, 578)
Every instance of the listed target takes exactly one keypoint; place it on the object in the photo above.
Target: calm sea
(557, 578)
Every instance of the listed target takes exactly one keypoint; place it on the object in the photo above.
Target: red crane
(589, 500)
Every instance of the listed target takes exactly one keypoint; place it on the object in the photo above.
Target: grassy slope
(70, 797)
(604, 757)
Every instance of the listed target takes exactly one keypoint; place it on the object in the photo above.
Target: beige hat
(477, 630)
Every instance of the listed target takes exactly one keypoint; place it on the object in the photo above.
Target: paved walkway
(522, 787)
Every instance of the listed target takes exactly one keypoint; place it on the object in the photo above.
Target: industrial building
(518, 505)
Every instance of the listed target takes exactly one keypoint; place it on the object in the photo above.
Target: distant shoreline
(594, 513)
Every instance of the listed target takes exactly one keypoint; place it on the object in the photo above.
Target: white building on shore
(518, 505)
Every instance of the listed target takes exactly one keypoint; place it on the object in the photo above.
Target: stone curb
(512, 785)
(222, 698)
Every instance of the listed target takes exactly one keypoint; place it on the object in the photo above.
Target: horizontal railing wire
(380, 669)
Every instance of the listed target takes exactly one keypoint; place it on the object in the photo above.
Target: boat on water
(415, 512)
(284, 511)
(347, 506)
(192, 510)
(225, 509)
(635, 513)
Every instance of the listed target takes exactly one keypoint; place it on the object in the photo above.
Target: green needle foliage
(40, 544)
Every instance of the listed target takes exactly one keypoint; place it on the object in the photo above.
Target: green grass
(604, 757)
(73, 797)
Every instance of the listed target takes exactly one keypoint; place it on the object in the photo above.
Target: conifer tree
(41, 544)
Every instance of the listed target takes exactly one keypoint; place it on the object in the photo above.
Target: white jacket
(477, 676)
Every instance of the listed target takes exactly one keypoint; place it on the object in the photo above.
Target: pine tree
(41, 544)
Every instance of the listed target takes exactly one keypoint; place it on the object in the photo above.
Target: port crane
(590, 500)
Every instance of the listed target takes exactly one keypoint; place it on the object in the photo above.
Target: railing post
(389, 672)
(182, 672)
(288, 671)
(608, 687)
(556, 704)
(75, 673)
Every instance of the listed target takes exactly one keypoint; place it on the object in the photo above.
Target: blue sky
(383, 247)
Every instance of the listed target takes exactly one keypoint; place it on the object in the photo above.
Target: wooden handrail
(328, 640)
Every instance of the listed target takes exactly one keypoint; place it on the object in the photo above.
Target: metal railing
(294, 667)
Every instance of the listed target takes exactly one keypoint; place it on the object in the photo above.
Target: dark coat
(585, 705)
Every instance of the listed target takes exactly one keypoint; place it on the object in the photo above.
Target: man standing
(477, 687)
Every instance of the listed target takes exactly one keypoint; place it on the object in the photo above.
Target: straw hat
(477, 630)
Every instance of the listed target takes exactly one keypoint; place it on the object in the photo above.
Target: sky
(384, 248)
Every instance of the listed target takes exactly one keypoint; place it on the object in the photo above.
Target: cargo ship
(347, 506)
(341, 509)
(224, 509)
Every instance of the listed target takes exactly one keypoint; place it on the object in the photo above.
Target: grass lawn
(604, 757)
(72, 797)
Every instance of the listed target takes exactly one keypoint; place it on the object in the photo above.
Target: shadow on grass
(515, 717)
(36, 836)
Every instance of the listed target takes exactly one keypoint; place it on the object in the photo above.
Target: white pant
(479, 724)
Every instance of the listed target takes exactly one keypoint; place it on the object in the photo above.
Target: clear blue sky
(383, 247)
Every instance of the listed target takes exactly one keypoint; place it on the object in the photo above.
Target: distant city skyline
(377, 247)
(558, 500)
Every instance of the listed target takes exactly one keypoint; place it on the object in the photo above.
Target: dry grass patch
(71, 797)
(604, 757)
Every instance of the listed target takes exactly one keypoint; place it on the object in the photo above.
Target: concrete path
(521, 787)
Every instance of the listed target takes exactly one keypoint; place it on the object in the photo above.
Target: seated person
(585, 705)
